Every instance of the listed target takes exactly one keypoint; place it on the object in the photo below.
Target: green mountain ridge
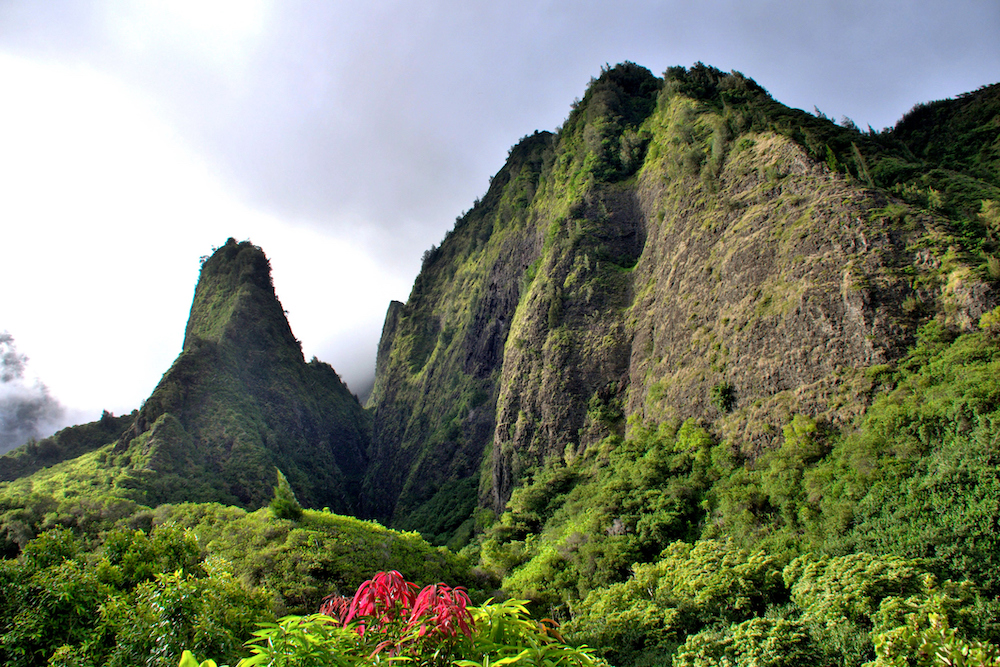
(68, 443)
(708, 379)
(238, 402)
(685, 247)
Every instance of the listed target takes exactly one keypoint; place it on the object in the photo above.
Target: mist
(27, 411)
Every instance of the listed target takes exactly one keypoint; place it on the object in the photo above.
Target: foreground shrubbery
(201, 577)
(599, 541)
(838, 548)
(388, 620)
(143, 598)
(702, 605)
(706, 603)
(140, 599)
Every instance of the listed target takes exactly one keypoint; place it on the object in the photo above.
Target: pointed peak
(236, 263)
(234, 301)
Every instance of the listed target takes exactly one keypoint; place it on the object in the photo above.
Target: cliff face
(240, 400)
(682, 248)
(685, 247)
(441, 353)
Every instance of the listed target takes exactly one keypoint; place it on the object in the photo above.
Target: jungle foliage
(672, 543)
(199, 577)
(863, 541)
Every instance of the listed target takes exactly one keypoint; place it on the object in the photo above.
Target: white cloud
(214, 32)
(106, 213)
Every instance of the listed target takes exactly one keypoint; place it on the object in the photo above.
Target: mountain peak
(240, 400)
(235, 302)
(682, 248)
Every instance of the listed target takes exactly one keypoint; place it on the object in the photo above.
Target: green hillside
(188, 576)
(703, 379)
(67, 444)
(684, 247)
(695, 314)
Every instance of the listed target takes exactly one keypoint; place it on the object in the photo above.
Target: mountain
(239, 401)
(684, 247)
(704, 378)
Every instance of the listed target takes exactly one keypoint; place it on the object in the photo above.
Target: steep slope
(960, 135)
(440, 357)
(685, 247)
(240, 400)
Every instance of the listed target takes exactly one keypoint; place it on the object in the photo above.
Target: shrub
(933, 646)
(387, 619)
(689, 588)
(990, 322)
(762, 642)
(723, 397)
(284, 504)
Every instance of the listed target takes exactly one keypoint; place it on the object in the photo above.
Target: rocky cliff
(683, 247)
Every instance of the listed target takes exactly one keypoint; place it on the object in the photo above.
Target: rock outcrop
(240, 400)
(681, 248)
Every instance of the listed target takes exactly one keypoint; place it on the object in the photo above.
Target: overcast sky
(344, 139)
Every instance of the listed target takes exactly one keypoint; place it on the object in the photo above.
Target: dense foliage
(915, 478)
(388, 620)
(140, 598)
(201, 577)
(860, 529)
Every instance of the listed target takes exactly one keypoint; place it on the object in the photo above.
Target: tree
(284, 504)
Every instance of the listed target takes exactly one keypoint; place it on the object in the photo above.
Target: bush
(284, 504)
(762, 642)
(175, 611)
(387, 619)
(691, 587)
(935, 645)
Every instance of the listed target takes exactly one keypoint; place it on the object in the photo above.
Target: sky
(344, 139)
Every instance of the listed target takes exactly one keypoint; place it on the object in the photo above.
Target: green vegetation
(284, 504)
(67, 444)
(201, 578)
(139, 598)
(705, 379)
(914, 481)
(388, 620)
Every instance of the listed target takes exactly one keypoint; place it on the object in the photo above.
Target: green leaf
(188, 660)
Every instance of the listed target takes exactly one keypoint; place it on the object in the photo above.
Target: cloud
(344, 138)
(109, 211)
(27, 410)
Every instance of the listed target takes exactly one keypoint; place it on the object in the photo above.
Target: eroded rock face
(772, 284)
(665, 256)
(786, 278)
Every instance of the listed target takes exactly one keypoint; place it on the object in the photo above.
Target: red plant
(336, 606)
(445, 608)
(383, 598)
(390, 604)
